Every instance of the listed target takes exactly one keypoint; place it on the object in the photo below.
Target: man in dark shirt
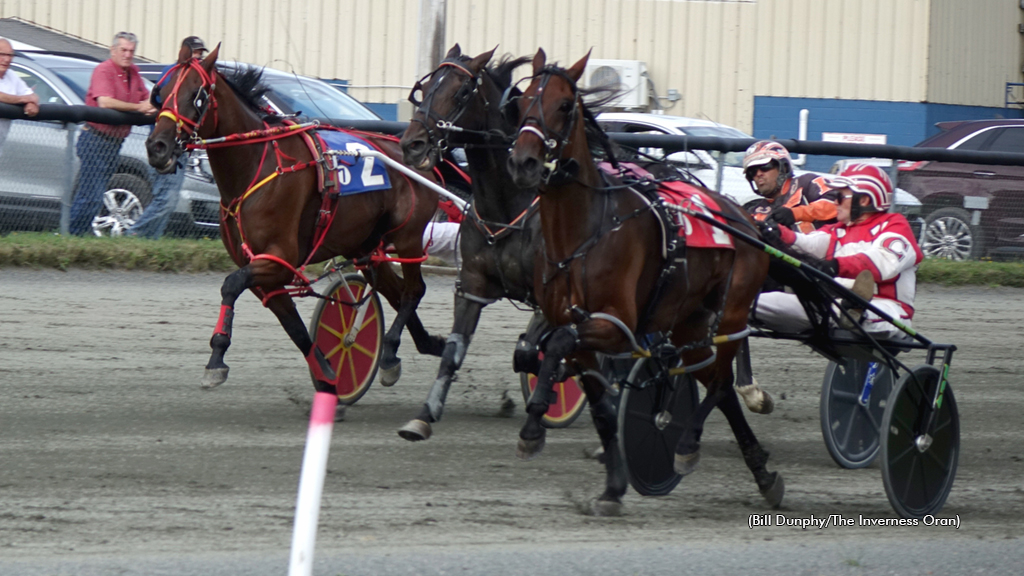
(115, 84)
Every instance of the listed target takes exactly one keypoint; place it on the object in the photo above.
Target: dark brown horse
(501, 230)
(601, 268)
(275, 215)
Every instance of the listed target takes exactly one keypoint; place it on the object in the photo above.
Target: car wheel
(126, 197)
(948, 233)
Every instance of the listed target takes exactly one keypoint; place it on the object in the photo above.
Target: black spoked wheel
(849, 426)
(919, 458)
(653, 413)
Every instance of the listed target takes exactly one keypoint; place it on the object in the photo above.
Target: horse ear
(211, 59)
(539, 60)
(577, 69)
(455, 52)
(184, 55)
(477, 64)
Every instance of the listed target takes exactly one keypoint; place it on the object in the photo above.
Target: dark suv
(970, 210)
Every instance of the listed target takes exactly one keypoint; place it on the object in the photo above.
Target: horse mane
(247, 83)
(501, 72)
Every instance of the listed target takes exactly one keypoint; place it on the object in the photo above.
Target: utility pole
(431, 36)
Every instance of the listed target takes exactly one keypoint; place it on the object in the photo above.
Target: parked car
(293, 94)
(703, 163)
(970, 210)
(36, 157)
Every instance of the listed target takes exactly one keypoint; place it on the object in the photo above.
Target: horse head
(452, 95)
(189, 107)
(550, 112)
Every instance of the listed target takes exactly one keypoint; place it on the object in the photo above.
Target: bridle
(203, 102)
(554, 142)
(432, 122)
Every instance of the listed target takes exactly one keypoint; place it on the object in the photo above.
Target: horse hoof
(773, 494)
(686, 463)
(339, 413)
(415, 430)
(214, 377)
(388, 376)
(767, 403)
(529, 449)
(607, 508)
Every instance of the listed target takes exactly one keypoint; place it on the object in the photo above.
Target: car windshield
(318, 100)
(76, 78)
(731, 158)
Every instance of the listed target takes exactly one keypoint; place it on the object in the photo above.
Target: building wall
(975, 50)
(903, 123)
(719, 54)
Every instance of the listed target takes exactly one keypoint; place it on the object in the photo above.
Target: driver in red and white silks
(866, 238)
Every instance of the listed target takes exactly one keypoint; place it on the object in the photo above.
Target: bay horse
(276, 216)
(501, 230)
(602, 261)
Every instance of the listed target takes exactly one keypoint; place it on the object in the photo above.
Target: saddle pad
(355, 176)
(698, 234)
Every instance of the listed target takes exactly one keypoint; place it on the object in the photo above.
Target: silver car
(38, 165)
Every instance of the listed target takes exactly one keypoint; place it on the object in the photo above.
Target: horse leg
(605, 417)
(770, 484)
(561, 343)
(757, 400)
(404, 295)
(467, 315)
(237, 282)
(283, 307)
(687, 455)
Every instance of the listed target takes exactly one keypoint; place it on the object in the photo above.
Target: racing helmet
(869, 180)
(764, 151)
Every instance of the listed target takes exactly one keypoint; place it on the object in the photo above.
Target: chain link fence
(71, 178)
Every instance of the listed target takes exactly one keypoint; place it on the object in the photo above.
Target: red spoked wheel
(569, 402)
(353, 354)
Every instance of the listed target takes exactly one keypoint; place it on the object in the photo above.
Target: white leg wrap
(756, 399)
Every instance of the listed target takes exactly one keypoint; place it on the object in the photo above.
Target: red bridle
(203, 102)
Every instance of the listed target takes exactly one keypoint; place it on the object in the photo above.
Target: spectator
(13, 89)
(117, 85)
(166, 187)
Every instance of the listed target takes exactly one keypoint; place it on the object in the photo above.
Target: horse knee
(236, 283)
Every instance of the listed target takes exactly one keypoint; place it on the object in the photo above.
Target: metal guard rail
(667, 142)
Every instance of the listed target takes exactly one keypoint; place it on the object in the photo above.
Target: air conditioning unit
(629, 76)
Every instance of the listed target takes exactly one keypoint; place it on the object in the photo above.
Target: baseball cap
(194, 43)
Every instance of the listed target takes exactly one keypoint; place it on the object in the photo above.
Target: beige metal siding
(717, 54)
(975, 50)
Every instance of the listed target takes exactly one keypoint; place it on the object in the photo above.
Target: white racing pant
(782, 312)
(441, 240)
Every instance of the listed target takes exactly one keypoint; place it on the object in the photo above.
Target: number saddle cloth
(354, 175)
(696, 233)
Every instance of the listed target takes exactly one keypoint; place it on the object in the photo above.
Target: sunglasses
(762, 168)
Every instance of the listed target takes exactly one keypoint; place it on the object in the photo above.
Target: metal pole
(430, 42)
(69, 183)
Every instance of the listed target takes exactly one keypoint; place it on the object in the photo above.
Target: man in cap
(802, 203)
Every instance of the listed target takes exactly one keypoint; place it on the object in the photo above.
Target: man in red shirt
(115, 84)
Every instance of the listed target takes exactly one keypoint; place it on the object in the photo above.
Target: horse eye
(566, 107)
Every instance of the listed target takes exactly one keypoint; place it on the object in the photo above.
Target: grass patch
(975, 272)
(47, 250)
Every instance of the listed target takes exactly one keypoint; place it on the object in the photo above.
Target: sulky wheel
(353, 354)
(652, 415)
(567, 405)
(920, 446)
(850, 419)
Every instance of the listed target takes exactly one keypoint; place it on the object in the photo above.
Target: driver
(803, 203)
(869, 250)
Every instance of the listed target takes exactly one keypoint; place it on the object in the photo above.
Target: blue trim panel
(904, 123)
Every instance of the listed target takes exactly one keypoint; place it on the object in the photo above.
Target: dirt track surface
(110, 450)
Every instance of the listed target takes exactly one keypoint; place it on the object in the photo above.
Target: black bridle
(554, 142)
(439, 128)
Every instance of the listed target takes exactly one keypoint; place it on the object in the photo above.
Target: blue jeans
(99, 160)
(166, 189)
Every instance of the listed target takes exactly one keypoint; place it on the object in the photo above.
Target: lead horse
(604, 283)
(276, 214)
(460, 100)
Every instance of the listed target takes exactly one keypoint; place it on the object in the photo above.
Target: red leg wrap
(318, 372)
(227, 315)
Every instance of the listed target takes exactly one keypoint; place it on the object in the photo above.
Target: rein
(203, 102)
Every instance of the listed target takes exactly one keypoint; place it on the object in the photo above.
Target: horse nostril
(530, 165)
